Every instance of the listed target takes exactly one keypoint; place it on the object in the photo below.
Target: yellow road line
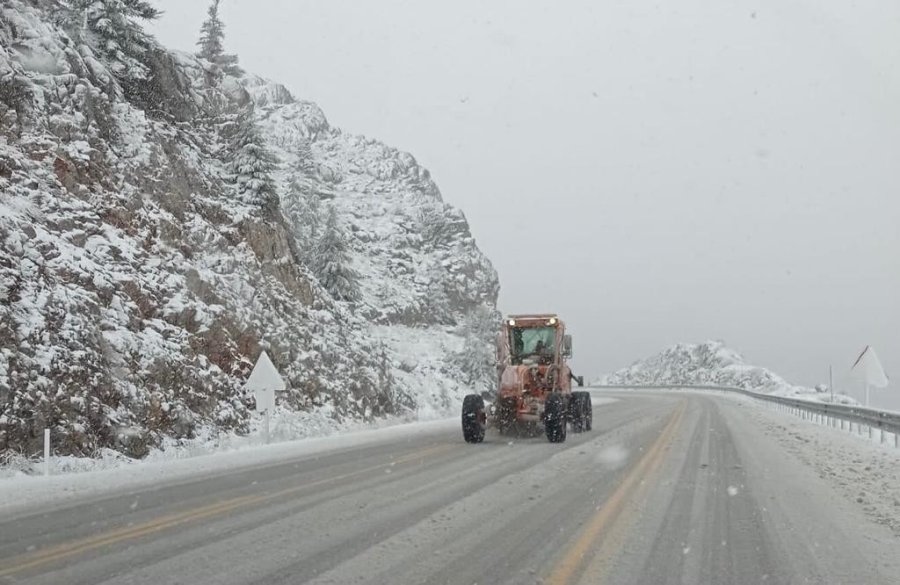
(63, 551)
(579, 552)
(72, 548)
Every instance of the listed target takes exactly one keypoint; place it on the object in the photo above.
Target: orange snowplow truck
(535, 384)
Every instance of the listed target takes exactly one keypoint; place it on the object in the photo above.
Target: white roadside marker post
(46, 452)
(264, 380)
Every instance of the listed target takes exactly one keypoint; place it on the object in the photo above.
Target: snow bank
(866, 472)
(189, 461)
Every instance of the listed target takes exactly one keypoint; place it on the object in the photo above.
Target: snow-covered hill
(713, 364)
(159, 229)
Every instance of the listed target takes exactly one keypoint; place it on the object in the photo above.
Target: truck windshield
(532, 342)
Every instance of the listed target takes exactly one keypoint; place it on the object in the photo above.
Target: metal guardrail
(823, 412)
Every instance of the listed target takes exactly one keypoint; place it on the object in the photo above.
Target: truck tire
(588, 412)
(555, 418)
(473, 418)
(576, 411)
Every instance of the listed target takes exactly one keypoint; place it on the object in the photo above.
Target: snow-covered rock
(138, 285)
(712, 364)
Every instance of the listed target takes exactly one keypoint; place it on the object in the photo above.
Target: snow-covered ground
(116, 473)
(285, 426)
(866, 471)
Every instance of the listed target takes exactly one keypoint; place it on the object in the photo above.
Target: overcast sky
(655, 172)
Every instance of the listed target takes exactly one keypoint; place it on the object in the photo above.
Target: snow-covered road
(667, 488)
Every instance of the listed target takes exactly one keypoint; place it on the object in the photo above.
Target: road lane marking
(121, 534)
(59, 552)
(579, 552)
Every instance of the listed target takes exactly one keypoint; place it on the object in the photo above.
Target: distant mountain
(162, 221)
(713, 364)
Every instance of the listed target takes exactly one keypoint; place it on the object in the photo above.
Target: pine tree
(305, 162)
(302, 204)
(211, 43)
(251, 163)
(111, 29)
(313, 214)
(302, 207)
(331, 263)
(476, 358)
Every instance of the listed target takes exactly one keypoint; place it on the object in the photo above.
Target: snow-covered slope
(713, 364)
(138, 281)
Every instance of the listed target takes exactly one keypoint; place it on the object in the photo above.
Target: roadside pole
(46, 452)
(831, 381)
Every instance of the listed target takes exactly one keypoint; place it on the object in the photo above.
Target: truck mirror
(567, 346)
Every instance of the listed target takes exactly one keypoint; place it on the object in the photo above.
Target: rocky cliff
(145, 263)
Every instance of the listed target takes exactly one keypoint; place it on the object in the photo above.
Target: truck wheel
(576, 411)
(473, 418)
(555, 418)
(588, 416)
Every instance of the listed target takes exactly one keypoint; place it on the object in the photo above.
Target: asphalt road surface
(667, 488)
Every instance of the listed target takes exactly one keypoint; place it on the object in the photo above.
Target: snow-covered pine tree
(110, 27)
(251, 164)
(303, 209)
(212, 34)
(302, 204)
(331, 263)
(305, 162)
(211, 43)
(476, 358)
